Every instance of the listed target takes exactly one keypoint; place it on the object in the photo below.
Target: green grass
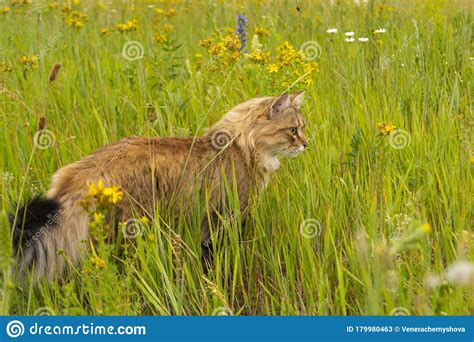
(367, 200)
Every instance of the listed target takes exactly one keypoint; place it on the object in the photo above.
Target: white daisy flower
(332, 30)
(363, 39)
(460, 273)
(349, 34)
(380, 30)
(349, 40)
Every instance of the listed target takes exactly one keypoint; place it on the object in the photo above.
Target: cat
(243, 147)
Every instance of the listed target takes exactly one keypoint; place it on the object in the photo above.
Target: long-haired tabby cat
(152, 169)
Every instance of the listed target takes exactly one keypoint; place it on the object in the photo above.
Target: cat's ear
(297, 99)
(280, 104)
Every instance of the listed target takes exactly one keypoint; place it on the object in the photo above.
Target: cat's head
(264, 128)
(280, 129)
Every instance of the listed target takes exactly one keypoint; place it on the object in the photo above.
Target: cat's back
(126, 159)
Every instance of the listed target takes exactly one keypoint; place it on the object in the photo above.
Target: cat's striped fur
(168, 170)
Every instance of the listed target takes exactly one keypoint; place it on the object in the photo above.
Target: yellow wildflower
(96, 189)
(426, 227)
(113, 194)
(308, 81)
(159, 11)
(386, 129)
(309, 68)
(98, 199)
(78, 24)
(4, 67)
(259, 57)
(78, 15)
(160, 38)
(471, 159)
(98, 218)
(5, 10)
(102, 196)
(217, 50)
(168, 27)
(53, 5)
(131, 25)
(234, 56)
(171, 12)
(381, 8)
(74, 18)
(21, 2)
(272, 68)
(287, 54)
(261, 32)
(29, 62)
(206, 43)
(104, 31)
(97, 262)
(232, 42)
(121, 27)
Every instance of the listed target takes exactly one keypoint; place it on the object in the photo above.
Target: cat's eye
(293, 130)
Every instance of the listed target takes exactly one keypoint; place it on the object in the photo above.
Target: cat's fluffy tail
(33, 235)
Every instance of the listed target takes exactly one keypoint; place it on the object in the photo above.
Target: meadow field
(374, 218)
